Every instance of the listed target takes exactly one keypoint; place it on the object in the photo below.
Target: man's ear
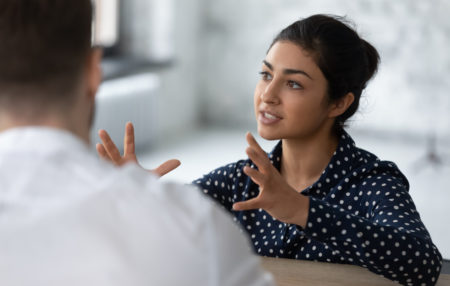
(94, 71)
(341, 105)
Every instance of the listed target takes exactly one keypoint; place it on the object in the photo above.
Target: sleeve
(223, 184)
(231, 261)
(390, 240)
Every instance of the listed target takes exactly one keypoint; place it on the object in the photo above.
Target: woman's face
(291, 99)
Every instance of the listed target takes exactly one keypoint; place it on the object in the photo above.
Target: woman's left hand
(276, 196)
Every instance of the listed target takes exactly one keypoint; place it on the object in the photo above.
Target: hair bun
(373, 59)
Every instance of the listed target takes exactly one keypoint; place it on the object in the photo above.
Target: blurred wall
(410, 94)
(167, 32)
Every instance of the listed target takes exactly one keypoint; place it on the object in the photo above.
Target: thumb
(166, 167)
(247, 205)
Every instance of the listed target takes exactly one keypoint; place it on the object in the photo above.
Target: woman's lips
(268, 118)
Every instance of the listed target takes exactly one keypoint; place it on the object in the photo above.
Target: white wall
(161, 30)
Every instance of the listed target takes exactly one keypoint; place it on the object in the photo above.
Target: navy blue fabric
(360, 213)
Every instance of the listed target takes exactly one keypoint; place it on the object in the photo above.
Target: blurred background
(184, 72)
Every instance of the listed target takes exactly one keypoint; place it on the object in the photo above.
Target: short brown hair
(43, 45)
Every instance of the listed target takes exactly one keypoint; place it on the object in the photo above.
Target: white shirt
(66, 218)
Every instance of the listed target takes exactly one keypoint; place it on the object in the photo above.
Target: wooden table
(288, 272)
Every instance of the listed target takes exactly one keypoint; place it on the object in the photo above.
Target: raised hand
(275, 196)
(109, 151)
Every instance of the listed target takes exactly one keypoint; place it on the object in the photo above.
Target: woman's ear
(341, 105)
(94, 71)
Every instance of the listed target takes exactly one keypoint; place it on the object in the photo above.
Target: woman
(317, 196)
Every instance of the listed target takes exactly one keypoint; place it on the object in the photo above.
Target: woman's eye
(265, 75)
(294, 85)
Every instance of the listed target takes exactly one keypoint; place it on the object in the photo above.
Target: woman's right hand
(275, 196)
(109, 151)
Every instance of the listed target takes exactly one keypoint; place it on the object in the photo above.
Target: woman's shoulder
(366, 165)
(371, 168)
(233, 167)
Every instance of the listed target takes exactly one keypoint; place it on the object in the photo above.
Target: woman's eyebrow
(292, 71)
(268, 65)
(288, 71)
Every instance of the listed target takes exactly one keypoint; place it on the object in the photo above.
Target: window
(106, 23)
(135, 34)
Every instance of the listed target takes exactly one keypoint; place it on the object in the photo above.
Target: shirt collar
(44, 139)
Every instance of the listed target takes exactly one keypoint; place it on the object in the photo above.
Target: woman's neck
(303, 160)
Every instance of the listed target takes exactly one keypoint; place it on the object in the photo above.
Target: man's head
(46, 60)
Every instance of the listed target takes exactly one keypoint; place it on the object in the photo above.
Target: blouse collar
(340, 166)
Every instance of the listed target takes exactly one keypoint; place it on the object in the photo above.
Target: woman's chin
(268, 135)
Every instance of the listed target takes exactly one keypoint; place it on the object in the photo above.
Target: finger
(247, 205)
(166, 167)
(260, 160)
(102, 152)
(128, 141)
(259, 155)
(253, 143)
(110, 147)
(255, 175)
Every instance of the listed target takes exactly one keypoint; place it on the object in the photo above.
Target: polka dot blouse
(360, 213)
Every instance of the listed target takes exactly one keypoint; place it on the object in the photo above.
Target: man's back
(68, 219)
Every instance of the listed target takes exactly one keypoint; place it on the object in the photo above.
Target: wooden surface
(288, 272)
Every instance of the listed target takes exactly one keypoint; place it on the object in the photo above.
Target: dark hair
(43, 47)
(347, 61)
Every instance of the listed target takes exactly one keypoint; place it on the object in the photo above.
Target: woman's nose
(270, 94)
